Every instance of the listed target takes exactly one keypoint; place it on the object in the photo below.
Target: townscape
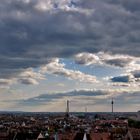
(84, 52)
(72, 126)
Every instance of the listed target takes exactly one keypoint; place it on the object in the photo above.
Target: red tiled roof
(100, 136)
(67, 136)
(135, 133)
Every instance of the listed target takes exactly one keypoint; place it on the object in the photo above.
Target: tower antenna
(112, 103)
(67, 109)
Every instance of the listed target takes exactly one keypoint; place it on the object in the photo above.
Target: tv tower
(67, 109)
(112, 103)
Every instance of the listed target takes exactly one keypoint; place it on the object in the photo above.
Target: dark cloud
(119, 62)
(28, 81)
(46, 98)
(30, 33)
(83, 97)
(136, 73)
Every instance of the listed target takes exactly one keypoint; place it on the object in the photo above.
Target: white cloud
(43, 5)
(86, 58)
(63, 5)
(30, 77)
(6, 81)
(30, 73)
(57, 68)
(27, 76)
(116, 60)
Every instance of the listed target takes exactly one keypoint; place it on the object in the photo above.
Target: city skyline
(57, 50)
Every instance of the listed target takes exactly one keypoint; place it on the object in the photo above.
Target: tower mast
(67, 109)
(112, 103)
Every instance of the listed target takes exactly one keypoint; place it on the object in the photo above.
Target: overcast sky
(87, 52)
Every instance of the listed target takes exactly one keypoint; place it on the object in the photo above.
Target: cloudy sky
(87, 52)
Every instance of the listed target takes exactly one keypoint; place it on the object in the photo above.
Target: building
(133, 134)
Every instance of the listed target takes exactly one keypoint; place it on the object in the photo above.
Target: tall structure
(112, 103)
(67, 109)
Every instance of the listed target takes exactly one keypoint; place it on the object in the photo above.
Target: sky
(87, 52)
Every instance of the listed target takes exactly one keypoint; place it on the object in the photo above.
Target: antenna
(67, 106)
(67, 109)
(112, 103)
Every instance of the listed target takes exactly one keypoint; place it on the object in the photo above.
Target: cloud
(132, 78)
(30, 77)
(136, 73)
(56, 68)
(119, 62)
(32, 31)
(29, 73)
(115, 30)
(52, 97)
(63, 5)
(6, 82)
(86, 58)
(123, 79)
(79, 99)
(26, 76)
(105, 58)
(28, 81)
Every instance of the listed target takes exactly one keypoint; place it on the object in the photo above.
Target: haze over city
(87, 52)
